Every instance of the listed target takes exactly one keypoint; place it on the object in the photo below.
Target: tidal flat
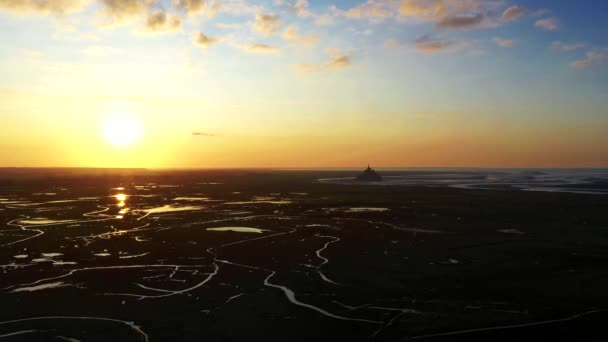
(136, 255)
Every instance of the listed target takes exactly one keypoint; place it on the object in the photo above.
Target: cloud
(427, 9)
(549, 24)
(227, 26)
(505, 43)
(452, 14)
(267, 24)
(429, 44)
(328, 18)
(203, 134)
(116, 12)
(190, 6)
(238, 7)
(203, 40)
(461, 21)
(43, 7)
(591, 58)
(299, 7)
(259, 48)
(541, 12)
(291, 34)
(197, 7)
(567, 47)
(159, 22)
(337, 60)
(513, 13)
(376, 10)
(358, 32)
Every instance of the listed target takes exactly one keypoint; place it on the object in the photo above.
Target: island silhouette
(369, 175)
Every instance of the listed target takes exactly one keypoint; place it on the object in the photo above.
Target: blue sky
(404, 75)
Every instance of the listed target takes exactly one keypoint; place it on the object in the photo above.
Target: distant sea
(581, 181)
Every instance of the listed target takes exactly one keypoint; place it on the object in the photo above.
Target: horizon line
(295, 168)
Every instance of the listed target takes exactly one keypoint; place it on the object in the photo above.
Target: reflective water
(40, 287)
(365, 210)
(238, 229)
(41, 220)
(581, 181)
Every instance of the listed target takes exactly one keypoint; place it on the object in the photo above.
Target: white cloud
(548, 24)
(591, 58)
(299, 7)
(329, 17)
(567, 47)
(375, 10)
(505, 43)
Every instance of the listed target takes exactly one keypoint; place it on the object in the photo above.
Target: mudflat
(136, 255)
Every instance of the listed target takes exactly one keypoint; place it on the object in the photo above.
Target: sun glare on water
(121, 129)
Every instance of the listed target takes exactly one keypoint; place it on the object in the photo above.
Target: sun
(121, 129)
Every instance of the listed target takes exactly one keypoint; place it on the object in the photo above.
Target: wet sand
(274, 255)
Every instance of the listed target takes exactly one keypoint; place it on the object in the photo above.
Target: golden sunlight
(121, 198)
(122, 129)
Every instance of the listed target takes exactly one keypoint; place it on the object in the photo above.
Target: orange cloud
(291, 34)
(259, 48)
(203, 40)
(58, 7)
(267, 24)
(429, 44)
(337, 60)
(160, 22)
(513, 13)
(197, 7)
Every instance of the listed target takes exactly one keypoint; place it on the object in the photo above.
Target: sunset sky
(296, 83)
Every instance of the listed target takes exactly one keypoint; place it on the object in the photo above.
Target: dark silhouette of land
(369, 175)
(332, 261)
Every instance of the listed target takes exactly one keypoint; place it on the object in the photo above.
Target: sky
(303, 83)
